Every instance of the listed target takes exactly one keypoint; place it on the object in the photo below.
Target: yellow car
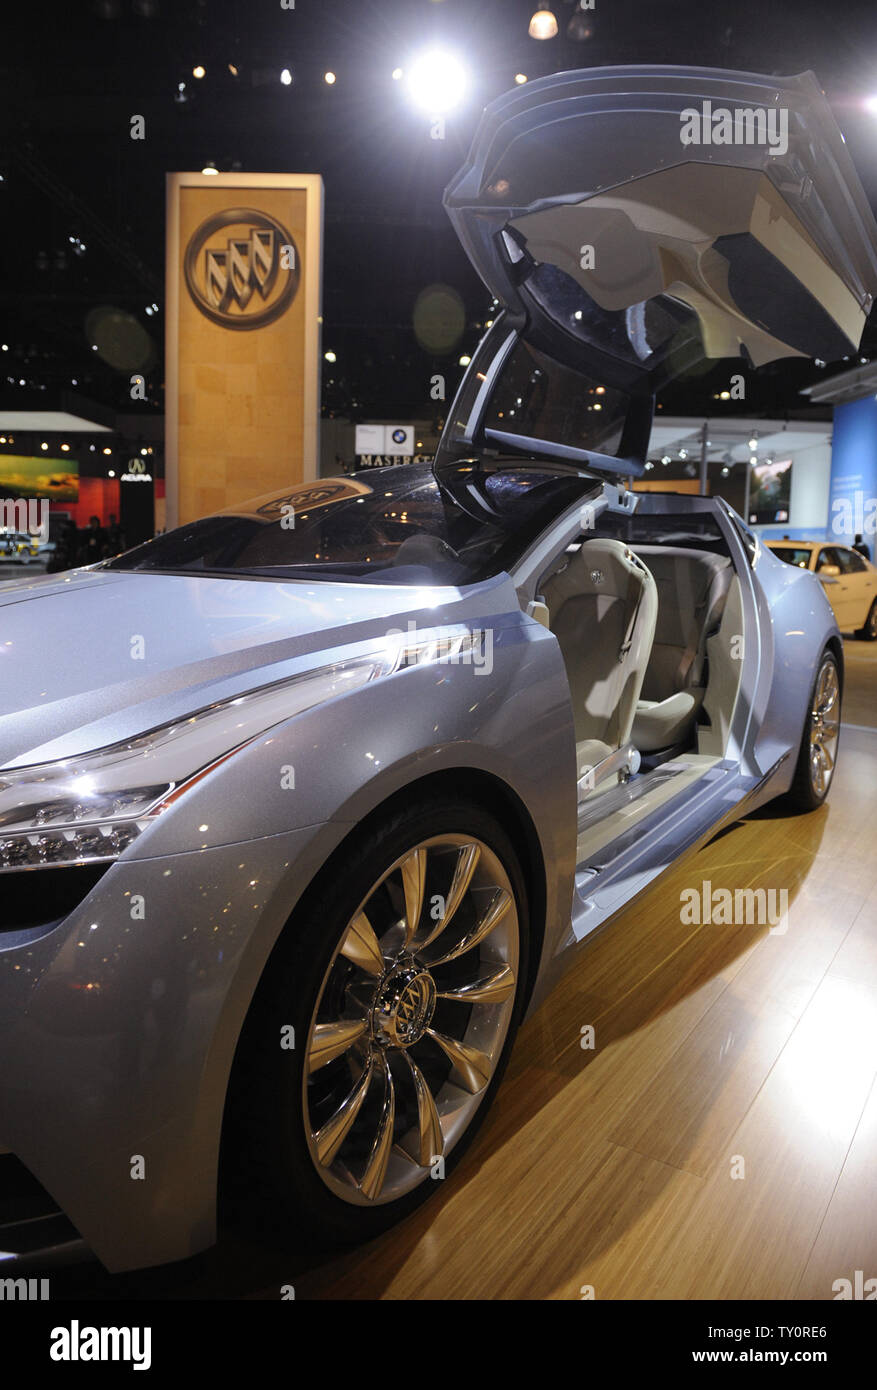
(18, 547)
(849, 580)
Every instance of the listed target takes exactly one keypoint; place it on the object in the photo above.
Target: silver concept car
(304, 805)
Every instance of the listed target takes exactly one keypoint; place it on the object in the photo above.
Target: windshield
(398, 527)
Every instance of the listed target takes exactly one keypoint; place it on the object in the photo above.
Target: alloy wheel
(411, 1019)
(824, 727)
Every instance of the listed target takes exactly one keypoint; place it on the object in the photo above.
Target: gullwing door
(636, 219)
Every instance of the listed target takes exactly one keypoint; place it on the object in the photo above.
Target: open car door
(635, 220)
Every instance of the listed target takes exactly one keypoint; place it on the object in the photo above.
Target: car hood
(627, 211)
(92, 657)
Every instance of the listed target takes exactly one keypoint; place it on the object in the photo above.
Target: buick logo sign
(242, 268)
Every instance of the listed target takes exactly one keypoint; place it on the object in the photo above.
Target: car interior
(650, 626)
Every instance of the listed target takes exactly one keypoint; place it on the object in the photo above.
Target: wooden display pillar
(242, 398)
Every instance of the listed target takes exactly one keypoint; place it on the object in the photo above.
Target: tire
(807, 792)
(284, 1168)
(868, 632)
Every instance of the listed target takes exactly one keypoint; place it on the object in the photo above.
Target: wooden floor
(719, 1050)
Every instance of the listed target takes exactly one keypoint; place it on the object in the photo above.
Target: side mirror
(828, 571)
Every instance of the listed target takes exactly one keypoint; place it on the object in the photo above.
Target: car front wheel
(383, 1023)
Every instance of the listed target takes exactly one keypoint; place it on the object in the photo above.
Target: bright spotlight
(286, 77)
(465, 360)
(543, 24)
(436, 82)
(396, 74)
(330, 357)
(329, 77)
(871, 105)
(199, 71)
(520, 78)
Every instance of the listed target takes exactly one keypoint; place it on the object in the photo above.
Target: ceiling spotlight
(330, 357)
(65, 448)
(199, 71)
(329, 78)
(436, 82)
(465, 360)
(665, 459)
(232, 69)
(753, 443)
(520, 78)
(44, 445)
(683, 453)
(108, 450)
(396, 74)
(210, 168)
(111, 472)
(181, 96)
(543, 24)
(286, 77)
(725, 471)
(753, 458)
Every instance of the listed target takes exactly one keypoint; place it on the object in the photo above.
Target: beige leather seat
(602, 605)
(692, 588)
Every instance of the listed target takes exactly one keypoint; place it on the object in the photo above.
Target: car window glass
(541, 399)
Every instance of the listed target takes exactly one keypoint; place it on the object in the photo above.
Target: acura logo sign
(242, 268)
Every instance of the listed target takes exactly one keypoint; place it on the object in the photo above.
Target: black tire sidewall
(802, 795)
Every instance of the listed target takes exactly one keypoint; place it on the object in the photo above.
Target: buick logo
(405, 1006)
(242, 268)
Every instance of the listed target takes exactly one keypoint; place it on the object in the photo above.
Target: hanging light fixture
(543, 24)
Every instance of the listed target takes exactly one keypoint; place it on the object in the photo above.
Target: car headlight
(90, 808)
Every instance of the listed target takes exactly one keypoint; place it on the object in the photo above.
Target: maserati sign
(242, 268)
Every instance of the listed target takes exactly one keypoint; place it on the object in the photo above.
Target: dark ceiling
(73, 74)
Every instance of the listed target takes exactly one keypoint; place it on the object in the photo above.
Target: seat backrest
(692, 588)
(601, 599)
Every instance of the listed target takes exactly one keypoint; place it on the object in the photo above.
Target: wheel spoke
(471, 1063)
(413, 883)
(467, 863)
(361, 946)
(499, 906)
(331, 1039)
(376, 1169)
(489, 989)
(333, 1133)
(431, 1140)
